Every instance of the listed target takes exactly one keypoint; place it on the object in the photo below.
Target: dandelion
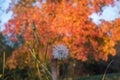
(60, 52)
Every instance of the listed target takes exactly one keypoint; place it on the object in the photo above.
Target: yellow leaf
(0, 75)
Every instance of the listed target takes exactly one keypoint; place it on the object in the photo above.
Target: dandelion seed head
(60, 52)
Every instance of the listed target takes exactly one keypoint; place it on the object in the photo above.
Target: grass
(113, 76)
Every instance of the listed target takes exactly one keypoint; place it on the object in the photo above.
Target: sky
(4, 15)
(109, 13)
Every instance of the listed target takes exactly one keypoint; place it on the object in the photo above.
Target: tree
(64, 22)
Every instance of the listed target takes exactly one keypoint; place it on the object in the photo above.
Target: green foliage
(114, 76)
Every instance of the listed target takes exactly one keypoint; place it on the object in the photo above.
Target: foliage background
(37, 30)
